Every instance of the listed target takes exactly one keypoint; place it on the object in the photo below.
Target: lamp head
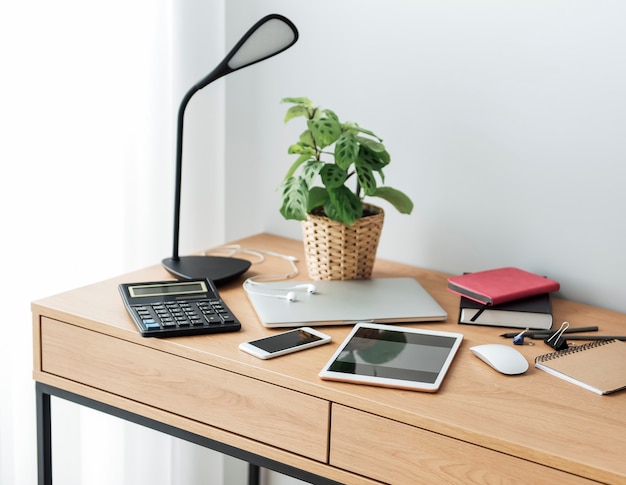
(269, 36)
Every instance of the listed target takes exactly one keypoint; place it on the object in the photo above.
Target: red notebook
(500, 285)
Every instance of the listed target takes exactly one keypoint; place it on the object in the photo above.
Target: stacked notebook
(505, 297)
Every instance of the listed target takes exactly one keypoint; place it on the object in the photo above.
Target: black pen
(545, 333)
(596, 337)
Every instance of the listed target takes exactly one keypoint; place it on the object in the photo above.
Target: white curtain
(88, 96)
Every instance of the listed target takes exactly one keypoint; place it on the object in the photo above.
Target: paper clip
(559, 342)
(519, 339)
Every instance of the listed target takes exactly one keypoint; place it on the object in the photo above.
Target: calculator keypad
(187, 317)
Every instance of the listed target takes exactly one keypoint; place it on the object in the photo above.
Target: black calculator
(177, 308)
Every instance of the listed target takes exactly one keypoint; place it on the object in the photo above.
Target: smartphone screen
(286, 340)
(284, 343)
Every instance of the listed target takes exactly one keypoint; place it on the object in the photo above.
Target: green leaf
(333, 176)
(343, 206)
(325, 131)
(346, 150)
(301, 100)
(366, 178)
(295, 112)
(299, 161)
(398, 199)
(374, 150)
(294, 199)
(371, 159)
(317, 198)
(328, 114)
(366, 165)
(296, 148)
(306, 139)
(311, 170)
(373, 145)
(350, 125)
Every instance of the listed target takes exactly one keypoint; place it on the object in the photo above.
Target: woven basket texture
(336, 251)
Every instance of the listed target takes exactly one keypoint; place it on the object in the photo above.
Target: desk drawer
(222, 399)
(394, 452)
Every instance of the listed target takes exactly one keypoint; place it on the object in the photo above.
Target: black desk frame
(44, 438)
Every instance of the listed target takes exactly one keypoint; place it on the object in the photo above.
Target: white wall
(505, 122)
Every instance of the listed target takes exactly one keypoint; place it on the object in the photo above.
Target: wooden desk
(481, 427)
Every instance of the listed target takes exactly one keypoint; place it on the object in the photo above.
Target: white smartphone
(285, 342)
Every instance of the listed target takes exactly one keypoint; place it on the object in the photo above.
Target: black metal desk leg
(44, 437)
(253, 474)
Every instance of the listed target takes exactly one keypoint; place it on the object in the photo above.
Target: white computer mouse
(503, 358)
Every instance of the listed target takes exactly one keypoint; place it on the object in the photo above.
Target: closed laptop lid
(338, 302)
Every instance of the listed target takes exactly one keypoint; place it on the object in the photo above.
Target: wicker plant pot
(335, 251)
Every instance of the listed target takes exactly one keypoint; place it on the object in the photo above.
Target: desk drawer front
(229, 401)
(393, 452)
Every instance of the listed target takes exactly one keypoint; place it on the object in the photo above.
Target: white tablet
(386, 355)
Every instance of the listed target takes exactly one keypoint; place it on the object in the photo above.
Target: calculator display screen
(177, 288)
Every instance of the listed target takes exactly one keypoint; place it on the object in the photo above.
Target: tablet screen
(393, 356)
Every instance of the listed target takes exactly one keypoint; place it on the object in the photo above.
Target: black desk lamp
(269, 36)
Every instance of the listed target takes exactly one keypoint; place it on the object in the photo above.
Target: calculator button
(151, 324)
(213, 319)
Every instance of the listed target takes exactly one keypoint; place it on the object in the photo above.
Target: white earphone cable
(250, 283)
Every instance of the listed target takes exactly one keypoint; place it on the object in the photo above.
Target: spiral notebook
(597, 366)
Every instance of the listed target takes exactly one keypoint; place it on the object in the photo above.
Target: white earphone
(308, 287)
(291, 296)
(249, 285)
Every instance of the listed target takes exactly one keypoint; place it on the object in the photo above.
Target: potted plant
(334, 154)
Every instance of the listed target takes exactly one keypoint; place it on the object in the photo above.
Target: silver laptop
(335, 302)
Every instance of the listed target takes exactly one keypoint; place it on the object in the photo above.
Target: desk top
(536, 417)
